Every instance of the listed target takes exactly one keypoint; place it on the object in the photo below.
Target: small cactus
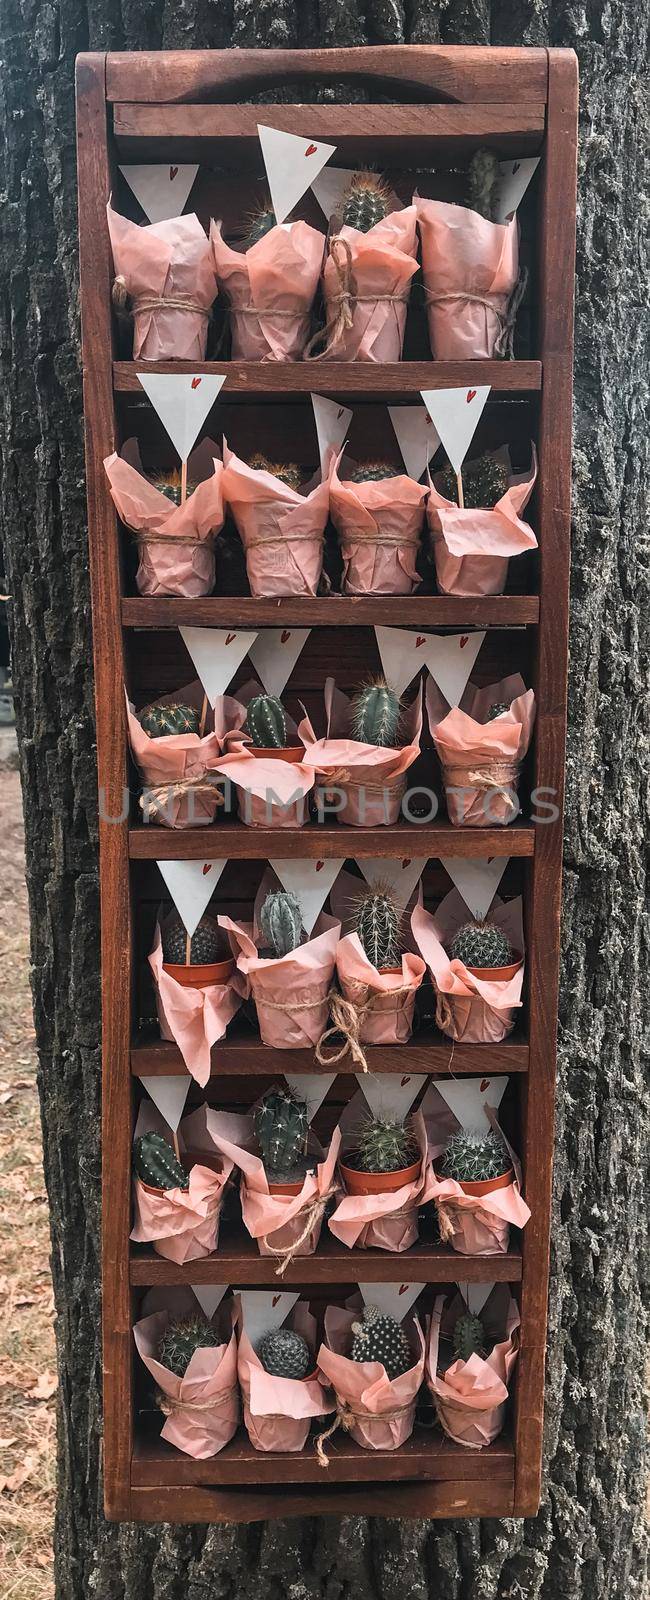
(484, 483)
(266, 722)
(386, 1144)
(288, 473)
(366, 202)
(182, 1338)
(159, 721)
(154, 1163)
(475, 1157)
(281, 1124)
(497, 709)
(481, 944)
(205, 944)
(260, 222)
(468, 1337)
(482, 180)
(375, 715)
(169, 484)
(281, 922)
(378, 927)
(373, 472)
(285, 1354)
(381, 1338)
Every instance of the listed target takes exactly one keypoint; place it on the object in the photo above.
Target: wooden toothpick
(204, 714)
(177, 1152)
(459, 486)
(183, 482)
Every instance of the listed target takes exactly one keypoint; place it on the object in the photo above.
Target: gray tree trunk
(587, 1539)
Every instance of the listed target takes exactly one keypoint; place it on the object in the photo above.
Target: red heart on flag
(311, 149)
(207, 868)
(230, 637)
(195, 383)
(516, 167)
(319, 866)
(173, 172)
(275, 1300)
(464, 641)
(485, 1084)
(421, 639)
(285, 635)
(339, 413)
(403, 1288)
(471, 395)
(406, 862)
(406, 1080)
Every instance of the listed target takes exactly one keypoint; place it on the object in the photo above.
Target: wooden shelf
(234, 839)
(360, 380)
(238, 1261)
(332, 611)
(248, 1057)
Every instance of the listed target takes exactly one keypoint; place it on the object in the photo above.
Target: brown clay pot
(378, 1182)
(496, 974)
(198, 976)
(292, 752)
(285, 1188)
(479, 1187)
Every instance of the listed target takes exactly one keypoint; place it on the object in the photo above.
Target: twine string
(163, 793)
(172, 1408)
(312, 1214)
(348, 1018)
(346, 1417)
(141, 303)
(506, 320)
(342, 302)
(502, 776)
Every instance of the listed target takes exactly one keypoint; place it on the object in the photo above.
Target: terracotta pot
(196, 977)
(292, 752)
(285, 1188)
(496, 974)
(479, 1187)
(378, 1182)
(390, 972)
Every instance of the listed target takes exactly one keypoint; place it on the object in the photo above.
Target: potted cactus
(162, 720)
(266, 725)
(287, 472)
(485, 481)
(485, 951)
(378, 923)
(373, 472)
(156, 1166)
(196, 961)
(183, 1336)
(366, 201)
(479, 1162)
(285, 1353)
(468, 1338)
(281, 1124)
(385, 1158)
(280, 924)
(380, 1337)
(375, 715)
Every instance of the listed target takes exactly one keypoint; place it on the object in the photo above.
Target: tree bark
(587, 1539)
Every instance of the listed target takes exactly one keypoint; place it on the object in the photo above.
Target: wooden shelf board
(239, 1262)
(234, 839)
(331, 611)
(361, 380)
(427, 1052)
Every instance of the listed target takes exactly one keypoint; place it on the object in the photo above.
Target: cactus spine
(484, 483)
(386, 1144)
(205, 944)
(287, 472)
(159, 721)
(260, 222)
(281, 922)
(281, 1129)
(378, 927)
(381, 1338)
(266, 722)
(373, 472)
(475, 1157)
(482, 181)
(154, 1163)
(169, 484)
(375, 715)
(366, 202)
(285, 1354)
(182, 1338)
(468, 1337)
(481, 944)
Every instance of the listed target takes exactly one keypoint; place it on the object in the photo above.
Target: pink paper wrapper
(469, 1008)
(472, 548)
(176, 543)
(291, 992)
(379, 527)
(166, 261)
(377, 1413)
(204, 1405)
(270, 793)
(470, 268)
(368, 780)
(282, 531)
(480, 760)
(386, 1221)
(284, 1225)
(373, 1007)
(476, 1225)
(270, 289)
(366, 283)
(194, 1018)
(174, 761)
(470, 1397)
(181, 1224)
(278, 1411)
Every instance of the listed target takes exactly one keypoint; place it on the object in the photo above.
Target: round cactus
(378, 927)
(482, 181)
(288, 473)
(266, 722)
(205, 944)
(182, 1338)
(281, 922)
(285, 1354)
(375, 715)
(484, 482)
(381, 1338)
(480, 945)
(159, 721)
(373, 472)
(169, 484)
(386, 1144)
(475, 1157)
(260, 222)
(468, 1337)
(497, 709)
(281, 1124)
(366, 202)
(154, 1163)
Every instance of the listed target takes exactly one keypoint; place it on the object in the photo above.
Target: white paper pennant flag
(274, 654)
(191, 885)
(311, 1088)
(169, 1095)
(477, 881)
(331, 185)
(402, 654)
(310, 881)
(161, 190)
(182, 401)
(209, 1296)
(456, 414)
(401, 873)
(217, 653)
(416, 436)
(264, 1310)
(468, 1097)
(514, 178)
(450, 658)
(332, 423)
(387, 1093)
(291, 164)
(475, 1295)
(392, 1299)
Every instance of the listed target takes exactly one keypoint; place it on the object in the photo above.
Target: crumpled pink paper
(290, 992)
(176, 543)
(165, 261)
(270, 289)
(470, 1396)
(278, 1411)
(480, 760)
(374, 271)
(386, 1221)
(474, 1225)
(194, 1018)
(471, 1009)
(370, 778)
(282, 531)
(204, 1404)
(271, 792)
(379, 526)
(472, 548)
(181, 1224)
(175, 758)
(277, 1221)
(470, 268)
(377, 1413)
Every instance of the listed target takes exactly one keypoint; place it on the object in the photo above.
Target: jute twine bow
(141, 303)
(343, 301)
(502, 776)
(445, 1224)
(504, 344)
(346, 1417)
(173, 1408)
(312, 1214)
(164, 792)
(348, 1018)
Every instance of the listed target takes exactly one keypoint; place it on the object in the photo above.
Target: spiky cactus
(285, 1354)
(260, 222)
(468, 1337)
(386, 1144)
(482, 180)
(375, 714)
(182, 1338)
(481, 944)
(497, 709)
(475, 1157)
(205, 943)
(484, 482)
(378, 922)
(288, 473)
(379, 1337)
(169, 484)
(154, 1163)
(281, 1124)
(281, 922)
(373, 472)
(366, 201)
(266, 722)
(159, 721)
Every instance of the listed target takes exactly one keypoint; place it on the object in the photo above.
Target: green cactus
(497, 709)
(266, 722)
(375, 715)
(481, 944)
(169, 484)
(159, 721)
(484, 483)
(468, 1337)
(381, 1338)
(378, 923)
(288, 473)
(373, 472)
(386, 1144)
(285, 1354)
(154, 1163)
(366, 202)
(475, 1157)
(182, 1338)
(281, 1124)
(482, 180)
(260, 222)
(281, 922)
(205, 945)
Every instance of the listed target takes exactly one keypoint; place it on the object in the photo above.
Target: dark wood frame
(449, 97)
